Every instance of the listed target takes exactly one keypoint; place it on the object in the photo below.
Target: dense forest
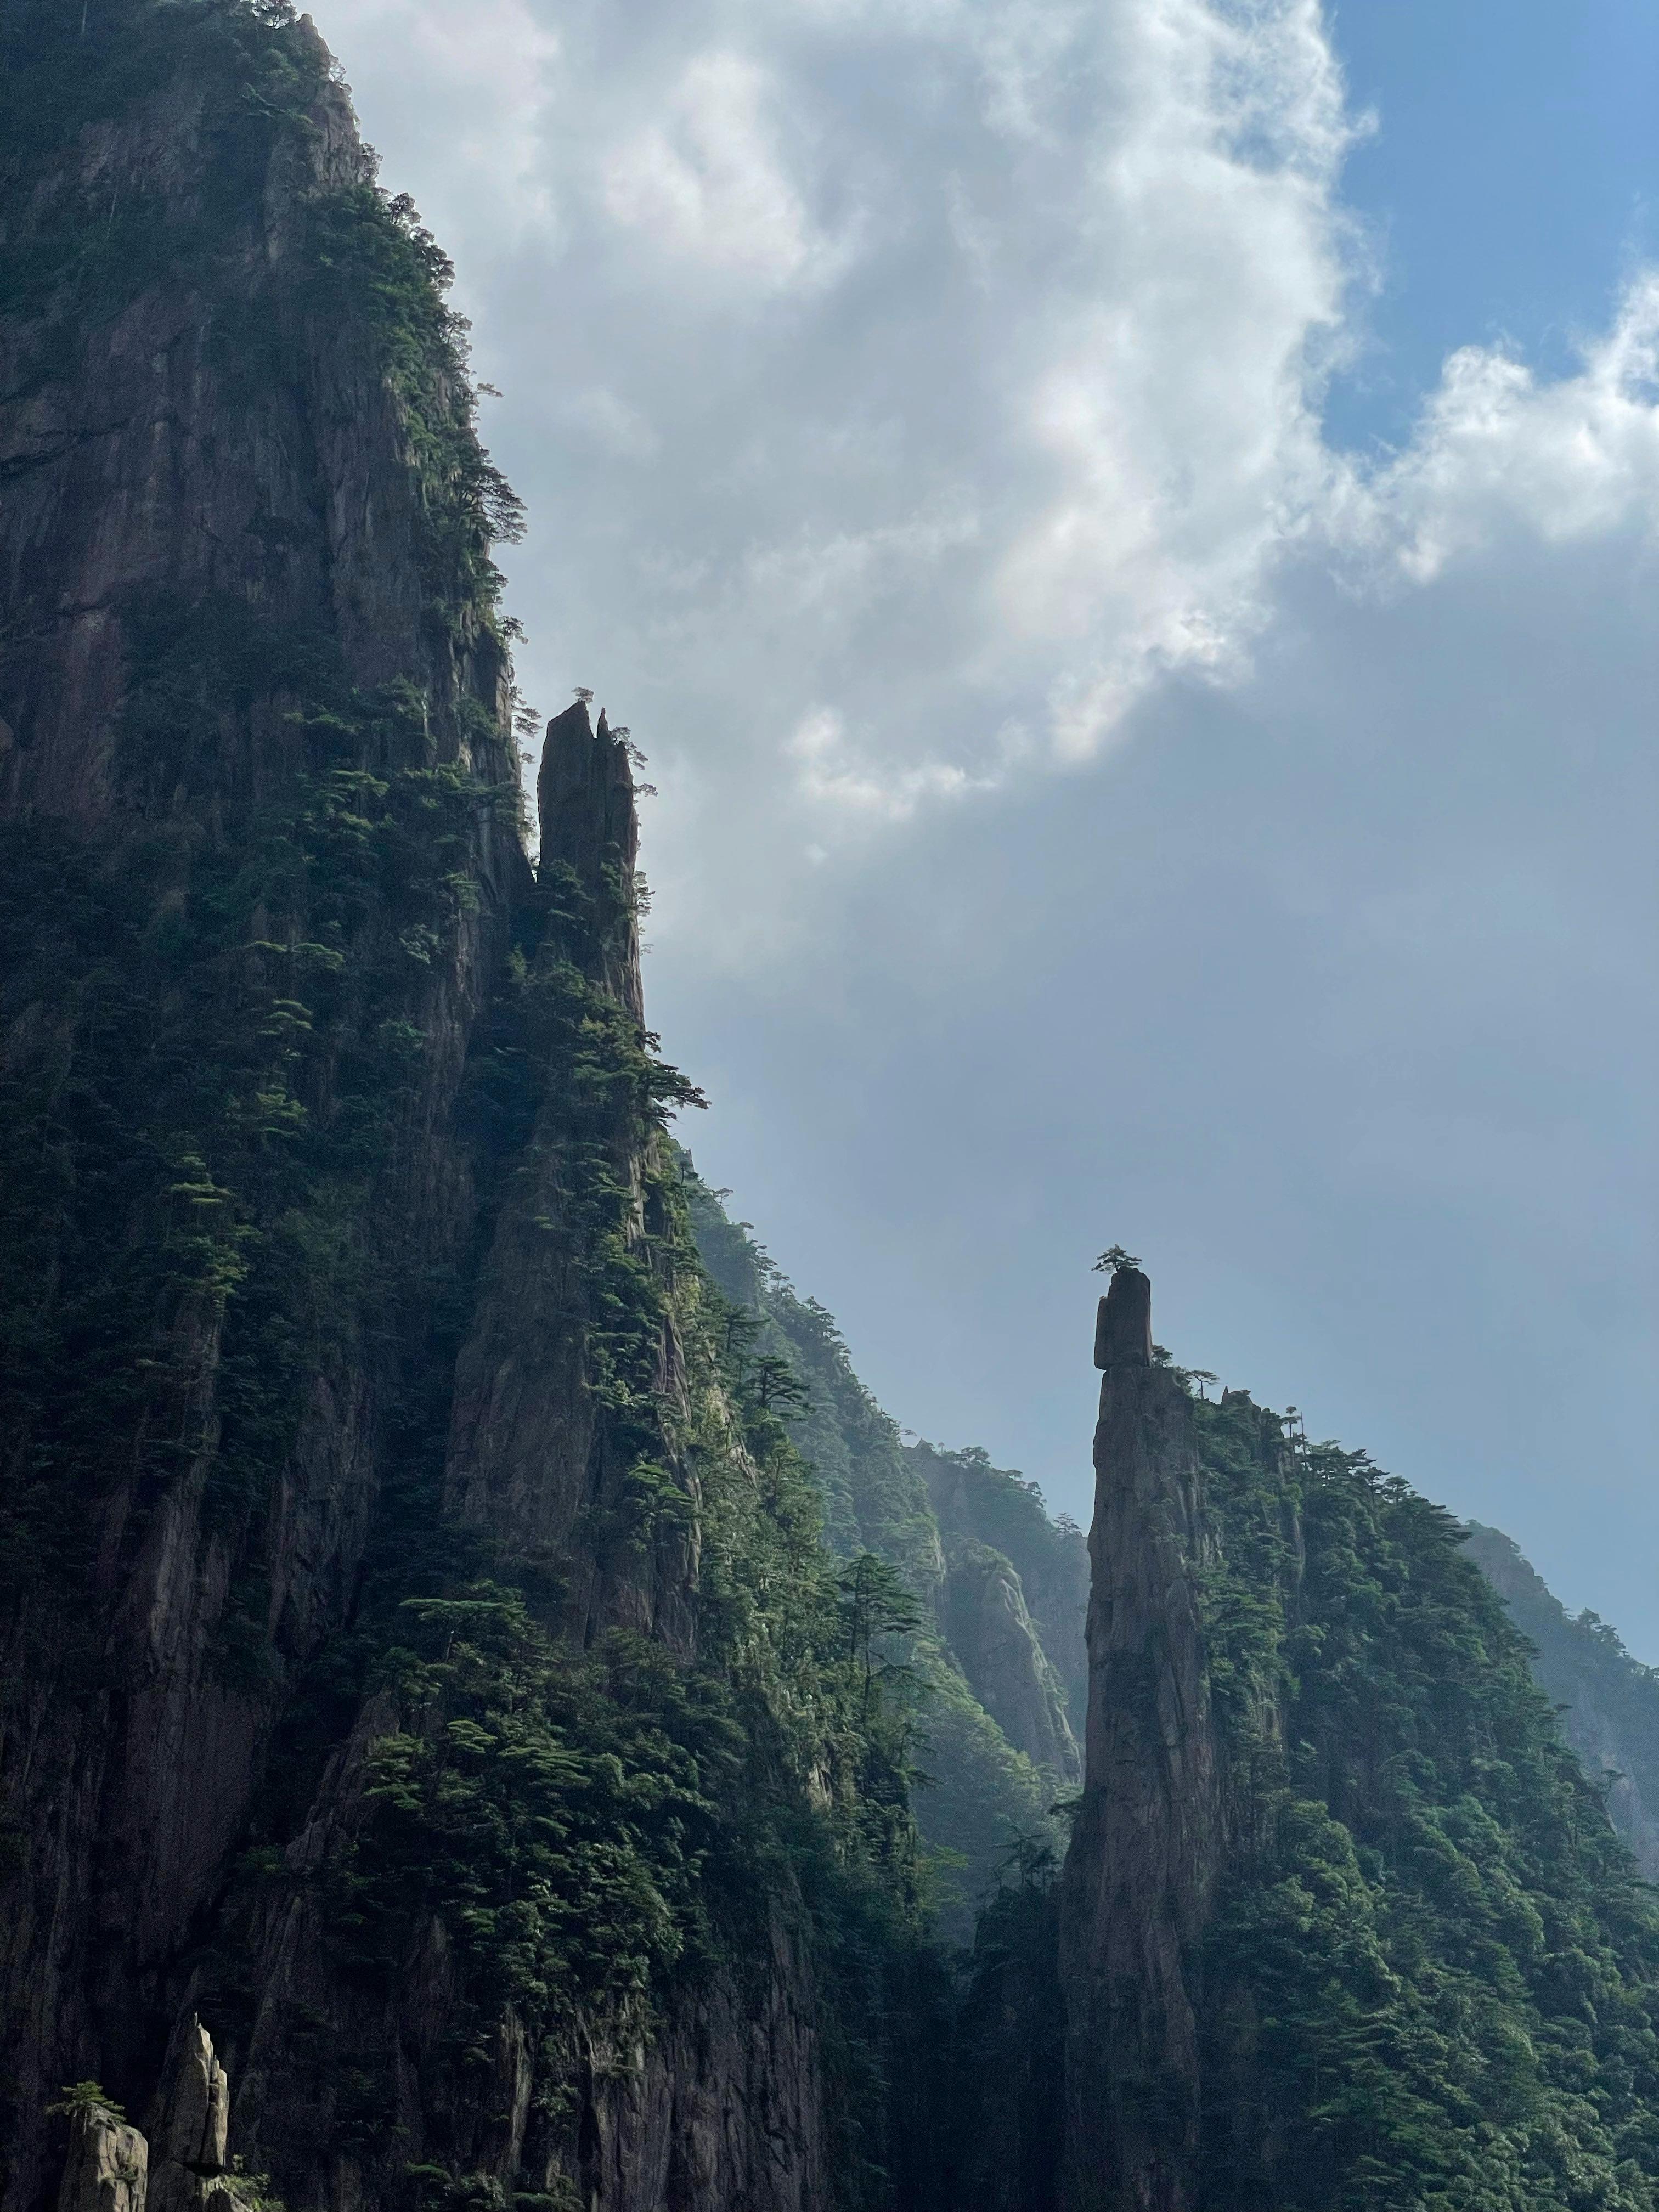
(1608, 1702)
(491, 1707)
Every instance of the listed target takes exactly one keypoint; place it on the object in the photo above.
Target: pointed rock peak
(573, 726)
(584, 798)
(1123, 1322)
(196, 2113)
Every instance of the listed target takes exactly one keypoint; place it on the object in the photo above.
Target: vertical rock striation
(1142, 1861)
(995, 1640)
(184, 2164)
(247, 627)
(108, 2164)
(334, 1225)
(529, 1457)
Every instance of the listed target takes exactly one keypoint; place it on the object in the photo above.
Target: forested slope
(1413, 1963)
(468, 1641)
(1608, 1702)
(419, 1656)
(985, 1680)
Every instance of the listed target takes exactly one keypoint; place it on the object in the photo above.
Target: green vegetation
(85, 2097)
(601, 1832)
(998, 1508)
(1609, 1701)
(1433, 1979)
(977, 1797)
(221, 1014)
(246, 1175)
(227, 1044)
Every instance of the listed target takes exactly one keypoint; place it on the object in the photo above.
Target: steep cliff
(260, 850)
(1608, 1702)
(1147, 1845)
(469, 1651)
(982, 1666)
(420, 1658)
(1342, 1922)
(1016, 1599)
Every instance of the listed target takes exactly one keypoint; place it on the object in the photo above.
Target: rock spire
(1141, 1864)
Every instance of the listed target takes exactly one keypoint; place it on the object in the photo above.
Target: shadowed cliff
(419, 1662)
(1342, 1922)
(465, 1657)
(1145, 1847)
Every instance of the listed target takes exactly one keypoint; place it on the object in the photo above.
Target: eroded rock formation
(1143, 1858)
(282, 1005)
(992, 1634)
(182, 2166)
(108, 2164)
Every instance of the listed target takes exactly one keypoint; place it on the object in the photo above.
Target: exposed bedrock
(1142, 1860)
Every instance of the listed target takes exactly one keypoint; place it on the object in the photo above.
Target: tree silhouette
(875, 1602)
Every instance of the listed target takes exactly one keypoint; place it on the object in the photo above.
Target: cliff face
(986, 1515)
(996, 1643)
(1147, 1840)
(1337, 1891)
(223, 655)
(421, 1664)
(999, 1587)
(1608, 1702)
(370, 1686)
(155, 252)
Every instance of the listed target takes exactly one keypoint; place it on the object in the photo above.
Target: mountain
(1607, 1701)
(1342, 1922)
(989, 1669)
(420, 1663)
(493, 1717)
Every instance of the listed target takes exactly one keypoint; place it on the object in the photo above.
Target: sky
(1126, 532)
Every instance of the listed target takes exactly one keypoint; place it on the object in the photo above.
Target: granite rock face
(526, 1456)
(113, 2168)
(190, 2143)
(108, 2164)
(138, 462)
(975, 1504)
(154, 484)
(1146, 1849)
(216, 462)
(993, 1639)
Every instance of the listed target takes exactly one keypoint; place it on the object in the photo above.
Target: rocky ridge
(426, 1654)
(337, 1167)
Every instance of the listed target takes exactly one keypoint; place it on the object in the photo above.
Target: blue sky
(1512, 181)
(1127, 531)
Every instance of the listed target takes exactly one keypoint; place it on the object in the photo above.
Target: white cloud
(951, 367)
(709, 180)
(452, 95)
(833, 771)
(1497, 451)
(915, 397)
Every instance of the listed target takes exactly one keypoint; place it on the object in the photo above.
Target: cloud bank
(922, 384)
(1096, 803)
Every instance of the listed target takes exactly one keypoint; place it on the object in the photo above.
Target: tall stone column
(1139, 1870)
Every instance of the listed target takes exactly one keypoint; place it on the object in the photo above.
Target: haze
(1127, 532)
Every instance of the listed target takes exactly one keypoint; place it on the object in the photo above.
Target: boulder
(108, 2164)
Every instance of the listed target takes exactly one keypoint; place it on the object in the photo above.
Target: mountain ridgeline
(493, 1717)
(1608, 1702)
